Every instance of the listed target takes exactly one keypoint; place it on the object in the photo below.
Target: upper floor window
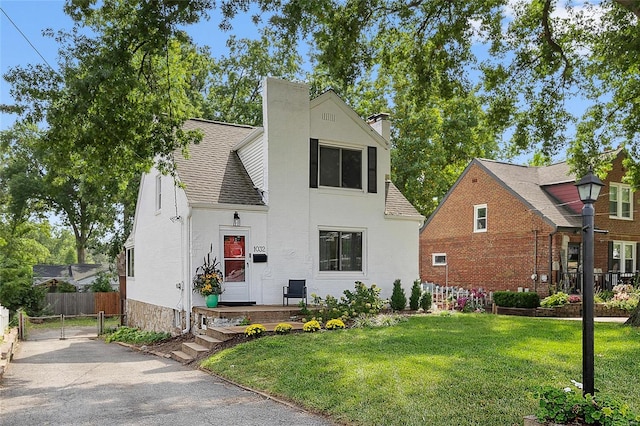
(340, 251)
(620, 201)
(480, 218)
(158, 192)
(340, 167)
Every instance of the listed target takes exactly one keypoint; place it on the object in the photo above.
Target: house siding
(252, 157)
(514, 247)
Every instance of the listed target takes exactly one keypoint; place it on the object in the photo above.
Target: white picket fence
(451, 297)
(4, 319)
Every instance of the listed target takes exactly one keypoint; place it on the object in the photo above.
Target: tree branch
(632, 6)
(548, 36)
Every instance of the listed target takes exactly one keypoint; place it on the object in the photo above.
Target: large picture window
(340, 251)
(620, 201)
(480, 218)
(340, 167)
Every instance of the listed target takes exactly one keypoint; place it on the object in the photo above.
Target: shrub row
(513, 299)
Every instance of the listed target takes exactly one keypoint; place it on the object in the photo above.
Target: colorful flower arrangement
(283, 328)
(334, 324)
(311, 326)
(255, 330)
(208, 279)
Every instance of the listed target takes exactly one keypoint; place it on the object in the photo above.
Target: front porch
(253, 313)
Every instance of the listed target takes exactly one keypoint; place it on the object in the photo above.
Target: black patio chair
(297, 289)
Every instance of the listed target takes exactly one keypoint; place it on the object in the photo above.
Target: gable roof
(527, 183)
(397, 205)
(213, 173)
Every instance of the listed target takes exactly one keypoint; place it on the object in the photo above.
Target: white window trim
(435, 255)
(622, 266)
(617, 187)
(158, 204)
(343, 274)
(475, 217)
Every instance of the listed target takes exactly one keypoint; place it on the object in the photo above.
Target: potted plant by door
(208, 280)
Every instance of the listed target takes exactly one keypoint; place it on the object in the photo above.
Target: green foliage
(134, 335)
(17, 291)
(363, 300)
(380, 320)
(102, 283)
(255, 330)
(283, 328)
(566, 406)
(556, 299)
(398, 298)
(65, 287)
(512, 299)
(425, 301)
(414, 299)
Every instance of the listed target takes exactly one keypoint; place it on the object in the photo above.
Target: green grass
(458, 370)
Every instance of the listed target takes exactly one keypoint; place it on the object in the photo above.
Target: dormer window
(620, 201)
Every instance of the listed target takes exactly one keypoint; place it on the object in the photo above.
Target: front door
(235, 267)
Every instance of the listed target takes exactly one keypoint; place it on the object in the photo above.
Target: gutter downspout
(551, 235)
(186, 273)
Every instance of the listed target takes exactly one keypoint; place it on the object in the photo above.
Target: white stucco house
(312, 200)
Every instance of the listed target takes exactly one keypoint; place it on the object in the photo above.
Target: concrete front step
(181, 357)
(193, 349)
(207, 341)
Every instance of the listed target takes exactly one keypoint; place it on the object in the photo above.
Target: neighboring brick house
(508, 227)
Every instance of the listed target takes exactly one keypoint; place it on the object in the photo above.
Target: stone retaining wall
(151, 317)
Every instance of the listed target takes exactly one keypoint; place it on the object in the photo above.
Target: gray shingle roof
(527, 183)
(213, 173)
(397, 205)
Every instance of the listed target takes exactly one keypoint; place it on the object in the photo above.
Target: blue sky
(33, 16)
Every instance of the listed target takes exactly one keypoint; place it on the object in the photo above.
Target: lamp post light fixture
(589, 189)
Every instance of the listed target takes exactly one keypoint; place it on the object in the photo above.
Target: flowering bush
(574, 298)
(255, 330)
(568, 407)
(624, 297)
(208, 279)
(311, 326)
(283, 328)
(334, 324)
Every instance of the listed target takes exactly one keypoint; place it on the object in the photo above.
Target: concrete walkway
(83, 381)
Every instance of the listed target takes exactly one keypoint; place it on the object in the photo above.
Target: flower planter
(211, 300)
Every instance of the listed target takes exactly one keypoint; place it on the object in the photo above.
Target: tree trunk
(634, 319)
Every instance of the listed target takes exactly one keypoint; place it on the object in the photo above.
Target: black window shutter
(637, 257)
(372, 166)
(313, 163)
(610, 256)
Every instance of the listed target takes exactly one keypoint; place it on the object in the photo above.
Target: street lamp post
(589, 189)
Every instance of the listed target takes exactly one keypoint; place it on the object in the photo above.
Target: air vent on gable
(329, 116)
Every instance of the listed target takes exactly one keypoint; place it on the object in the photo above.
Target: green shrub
(65, 287)
(134, 335)
(513, 299)
(414, 299)
(566, 406)
(380, 320)
(102, 283)
(398, 298)
(556, 299)
(363, 300)
(425, 301)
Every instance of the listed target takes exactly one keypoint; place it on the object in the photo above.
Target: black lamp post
(589, 189)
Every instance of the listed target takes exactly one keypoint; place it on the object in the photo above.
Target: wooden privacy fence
(84, 303)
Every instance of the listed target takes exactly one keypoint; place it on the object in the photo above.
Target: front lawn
(432, 370)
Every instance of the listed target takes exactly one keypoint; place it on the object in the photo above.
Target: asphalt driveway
(83, 381)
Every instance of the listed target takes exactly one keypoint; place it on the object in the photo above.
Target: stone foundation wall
(151, 317)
